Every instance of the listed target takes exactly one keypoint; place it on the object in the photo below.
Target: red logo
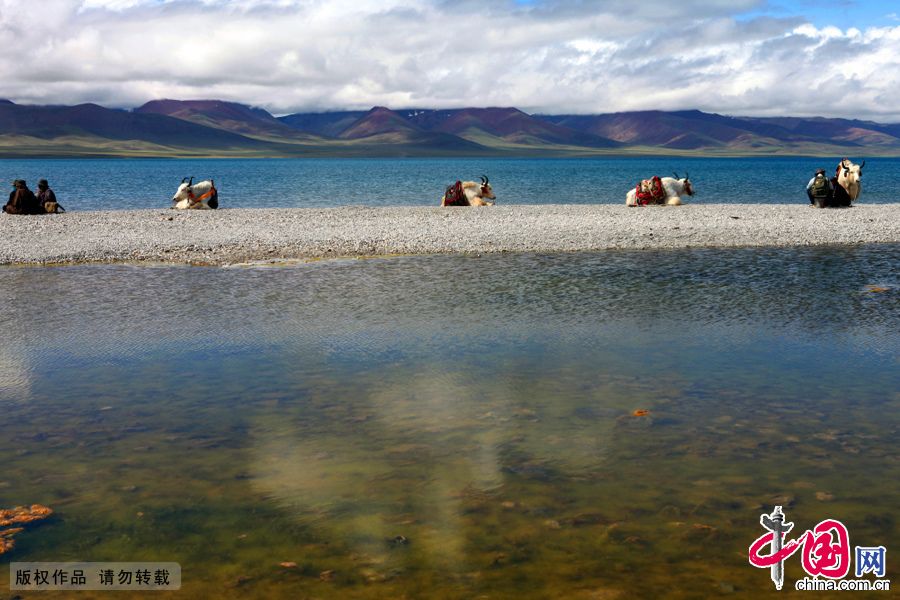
(825, 548)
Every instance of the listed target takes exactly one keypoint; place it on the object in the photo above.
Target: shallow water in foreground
(232, 419)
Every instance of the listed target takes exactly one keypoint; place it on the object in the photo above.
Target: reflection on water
(453, 427)
(15, 380)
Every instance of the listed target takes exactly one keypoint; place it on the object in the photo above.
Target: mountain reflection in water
(453, 426)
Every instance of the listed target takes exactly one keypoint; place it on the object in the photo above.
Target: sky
(735, 57)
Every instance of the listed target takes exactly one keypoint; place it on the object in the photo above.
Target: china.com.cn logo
(825, 552)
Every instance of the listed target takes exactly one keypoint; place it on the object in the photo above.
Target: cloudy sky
(737, 57)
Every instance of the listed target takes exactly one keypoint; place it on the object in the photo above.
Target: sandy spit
(231, 236)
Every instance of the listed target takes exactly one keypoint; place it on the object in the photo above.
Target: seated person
(819, 190)
(22, 201)
(47, 199)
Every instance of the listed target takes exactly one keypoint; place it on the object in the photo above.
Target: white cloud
(550, 56)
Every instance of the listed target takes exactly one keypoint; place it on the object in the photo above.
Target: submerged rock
(240, 581)
(782, 500)
(877, 289)
(19, 515)
(552, 524)
(24, 514)
(7, 542)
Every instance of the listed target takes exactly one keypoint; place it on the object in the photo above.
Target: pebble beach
(235, 236)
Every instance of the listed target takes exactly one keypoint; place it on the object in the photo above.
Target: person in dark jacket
(46, 198)
(819, 190)
(22, 201)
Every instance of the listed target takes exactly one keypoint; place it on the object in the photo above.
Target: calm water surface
(108, 184)
(232, 419)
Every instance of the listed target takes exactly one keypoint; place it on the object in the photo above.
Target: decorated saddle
(650, 191)
(455, 196)
(211, 196)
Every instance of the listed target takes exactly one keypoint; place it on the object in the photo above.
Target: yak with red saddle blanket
(201, 195)
(469, 193)
(660, 190)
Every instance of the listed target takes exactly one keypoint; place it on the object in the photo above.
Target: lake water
(234, 418)
(94, 184)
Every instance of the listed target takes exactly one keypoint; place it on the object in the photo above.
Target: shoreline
(245, 235)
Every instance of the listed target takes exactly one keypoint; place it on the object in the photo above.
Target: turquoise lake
(453, 427)
(109, 184)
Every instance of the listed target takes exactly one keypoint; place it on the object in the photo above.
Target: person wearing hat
(46, 198)
(819, 190)
(22, 201)
(12, 194)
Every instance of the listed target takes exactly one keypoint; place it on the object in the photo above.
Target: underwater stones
(8, 533)
(876, 289)
(526, 414)
(326, 575)
(20, 515)
(636, 540)
(373, 576)
(636, 419)
(583, 519)
(7, 542)
(24, 514)
(599, 594)
(824, 496)
(669, 511)
(531, 470)
(828, 436)
(288, 564)
(240, 581)
(726, 587)
(399, 540)
(783, 500)
(698, 532)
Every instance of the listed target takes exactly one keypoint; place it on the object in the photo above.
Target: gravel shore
(240, 235)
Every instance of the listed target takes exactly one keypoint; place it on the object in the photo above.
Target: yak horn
(862, 165)
(183, 179)
(191, 182)
(676, 175)
(686, 176)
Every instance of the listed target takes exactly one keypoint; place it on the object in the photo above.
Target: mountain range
(218, 128)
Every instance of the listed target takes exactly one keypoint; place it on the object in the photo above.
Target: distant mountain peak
(220, 127)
